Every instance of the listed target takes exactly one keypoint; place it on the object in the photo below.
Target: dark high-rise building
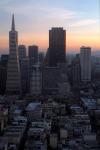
(3, 73)
(13, 85)
(24, 69)
(85, 61)
(36, 80)
(57, 46)
(46, 59)
(41, 57)
(76, 71)
(33, 55)
(4, 59)
(21, 52)
(33, 59)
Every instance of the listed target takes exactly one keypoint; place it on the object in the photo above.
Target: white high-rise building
(85, 62)
(13, 85)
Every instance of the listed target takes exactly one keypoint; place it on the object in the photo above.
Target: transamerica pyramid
(13, 84)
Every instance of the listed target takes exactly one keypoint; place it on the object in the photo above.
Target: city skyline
(34, 19)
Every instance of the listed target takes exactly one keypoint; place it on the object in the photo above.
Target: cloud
(38, 18)
(31, 9)
(85, 22)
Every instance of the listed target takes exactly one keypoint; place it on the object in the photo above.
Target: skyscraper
(41, 57)
(3, 73)
(85, 62)
(13, 72)
(24, 68)
(36, 80)
(57, 46)
(33, 54)
(21, 52)
(75, 68)
(24, 71)
(33, 59)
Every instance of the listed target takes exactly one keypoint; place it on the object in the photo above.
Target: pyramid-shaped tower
(13, 84)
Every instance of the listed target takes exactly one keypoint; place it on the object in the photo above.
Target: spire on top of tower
(13, 23)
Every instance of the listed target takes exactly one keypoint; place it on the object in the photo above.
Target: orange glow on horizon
(72, 42)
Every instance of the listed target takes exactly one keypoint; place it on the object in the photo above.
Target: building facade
(57, 46)
(33, 55)
(21, 52)
(24, 68)
(76, 71)
(85, 62)
(50, 80)
(36, 80)
(55, 81)
(41, 58)
(3, 73)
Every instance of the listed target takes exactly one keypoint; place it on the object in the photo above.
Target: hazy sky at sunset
(34, 18)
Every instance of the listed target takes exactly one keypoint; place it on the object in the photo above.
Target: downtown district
(49, 101)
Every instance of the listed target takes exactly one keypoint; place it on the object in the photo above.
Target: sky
(34, 18)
